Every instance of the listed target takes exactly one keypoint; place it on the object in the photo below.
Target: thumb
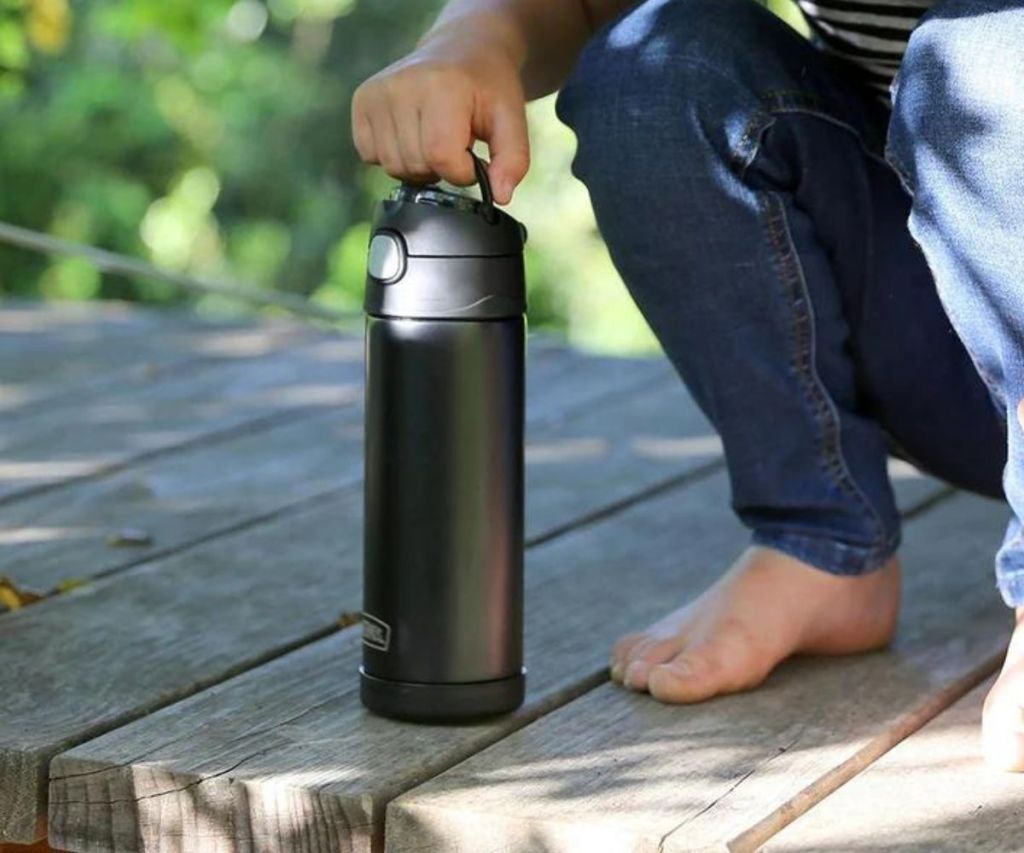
(509, 145)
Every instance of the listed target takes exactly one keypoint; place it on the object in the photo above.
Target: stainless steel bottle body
(444, 509)
(443, 549)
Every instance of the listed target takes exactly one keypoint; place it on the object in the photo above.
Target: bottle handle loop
(486, 195)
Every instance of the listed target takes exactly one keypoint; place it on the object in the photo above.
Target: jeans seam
(773, 103)
(823, 407)
(786, 102)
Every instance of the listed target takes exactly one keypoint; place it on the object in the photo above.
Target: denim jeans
(799, 248)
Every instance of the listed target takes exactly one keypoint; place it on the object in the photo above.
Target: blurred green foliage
(213, 137)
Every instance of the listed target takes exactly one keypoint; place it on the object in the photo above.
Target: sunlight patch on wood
(311, 395)
(13, 395)
(30, 535)
(240, 344)
(51, 470)
(572, 450)
(677, 448)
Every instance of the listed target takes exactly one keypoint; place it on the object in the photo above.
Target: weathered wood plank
(616, 771)
(123, 425)
(58, 354)
(354, 761)
(206, 490)
(119, 426)
(287, 755)
(932, 792)
(169, 627)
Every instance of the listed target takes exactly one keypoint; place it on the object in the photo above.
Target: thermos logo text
(376, 633)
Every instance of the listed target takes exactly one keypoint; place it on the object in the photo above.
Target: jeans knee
(665, 74)
(958, 106)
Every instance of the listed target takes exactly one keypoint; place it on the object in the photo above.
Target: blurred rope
(122, 265)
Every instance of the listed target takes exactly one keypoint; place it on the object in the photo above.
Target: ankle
(861, 614)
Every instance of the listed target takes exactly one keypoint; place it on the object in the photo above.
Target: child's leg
(957, 138)
(738, 180)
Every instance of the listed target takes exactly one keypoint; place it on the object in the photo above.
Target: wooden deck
(180, 514)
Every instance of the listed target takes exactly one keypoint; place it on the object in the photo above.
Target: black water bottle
(443, 546)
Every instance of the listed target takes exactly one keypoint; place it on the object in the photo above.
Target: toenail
(616, 670)
(636, 674)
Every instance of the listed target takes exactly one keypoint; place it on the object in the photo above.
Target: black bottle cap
(436, 254)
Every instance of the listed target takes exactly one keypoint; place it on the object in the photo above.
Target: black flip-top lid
(437, 223)
(436, 254)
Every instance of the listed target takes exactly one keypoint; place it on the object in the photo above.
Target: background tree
(213, 137)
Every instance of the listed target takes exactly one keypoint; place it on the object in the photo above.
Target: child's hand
(418, 117)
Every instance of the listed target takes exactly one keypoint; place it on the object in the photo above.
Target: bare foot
(1002, 721)
(767, 607)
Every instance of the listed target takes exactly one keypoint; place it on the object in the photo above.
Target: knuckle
(393, 86)
(391, 164)
(365, 93)
(442, 73)
(421, 77)
(441, 156)
(359, 102)
(435, 72)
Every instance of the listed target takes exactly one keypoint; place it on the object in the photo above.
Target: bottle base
(420, 702)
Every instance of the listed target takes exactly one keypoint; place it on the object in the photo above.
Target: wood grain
(206, 490)
(128, 423)
(146, 636)
(932, 792)
(65, 352)
(616, 771)
(123, 425)
(285, 753)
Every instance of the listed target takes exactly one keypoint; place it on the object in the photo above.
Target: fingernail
(616, 670)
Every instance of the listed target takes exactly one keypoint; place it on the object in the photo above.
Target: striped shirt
(871, 33)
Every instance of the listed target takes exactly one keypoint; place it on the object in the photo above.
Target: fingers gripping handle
(486, 195)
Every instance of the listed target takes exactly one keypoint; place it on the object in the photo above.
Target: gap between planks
(598, 774)
(268, 612)
(136, 424)
(50, 360)
(932, 792)
(901, 728)
(376, 760)
(276, 470)
(90, 451)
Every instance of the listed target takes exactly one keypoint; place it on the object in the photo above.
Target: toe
(696, 675)
(645, 655)
(620, 657)
(689, 677)
(620, 654)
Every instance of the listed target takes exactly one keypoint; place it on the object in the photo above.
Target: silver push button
(387, 259)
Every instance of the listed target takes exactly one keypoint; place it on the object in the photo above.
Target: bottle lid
(438, 254)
